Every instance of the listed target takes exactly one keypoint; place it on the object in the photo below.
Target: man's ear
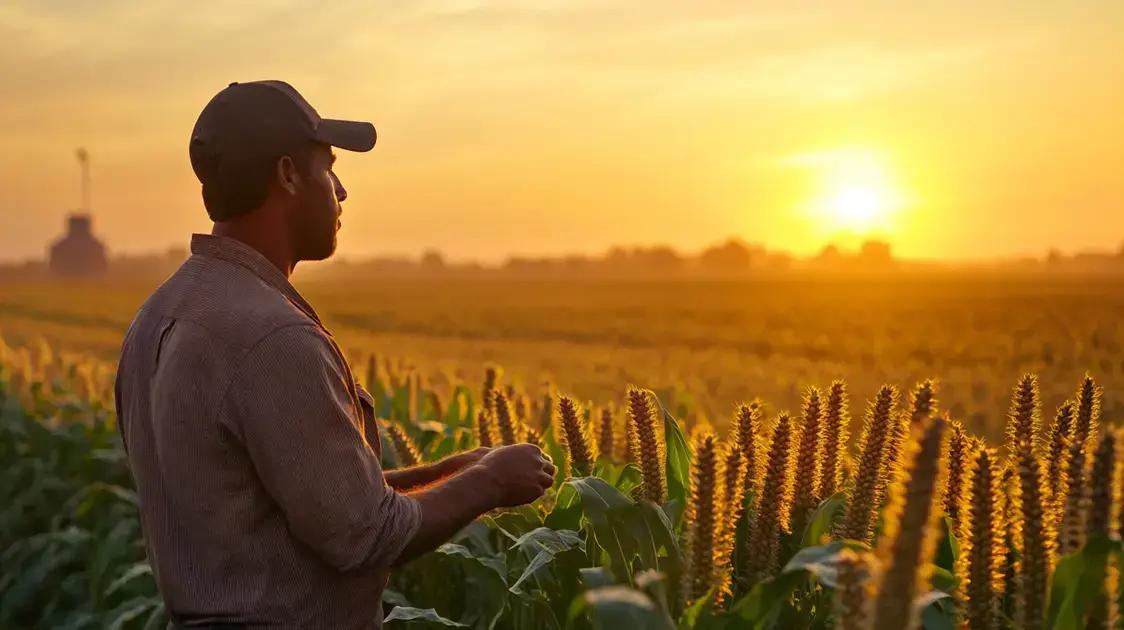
(287, 175)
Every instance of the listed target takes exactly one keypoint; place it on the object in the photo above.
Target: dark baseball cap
(251, 123)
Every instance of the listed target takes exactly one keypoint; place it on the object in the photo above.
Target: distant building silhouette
(78, 253)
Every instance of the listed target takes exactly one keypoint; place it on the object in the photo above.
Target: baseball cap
(257, 121)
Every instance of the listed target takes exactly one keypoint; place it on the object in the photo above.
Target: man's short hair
(232, 190)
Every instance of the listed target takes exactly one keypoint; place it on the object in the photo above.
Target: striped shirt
(255, 452)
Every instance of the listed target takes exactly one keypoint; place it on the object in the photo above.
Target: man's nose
(341, 192)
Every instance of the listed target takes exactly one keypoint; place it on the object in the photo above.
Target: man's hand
(453, 463)
(505, 476)
(520, 473)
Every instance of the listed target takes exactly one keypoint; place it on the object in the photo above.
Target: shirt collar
(235, 251)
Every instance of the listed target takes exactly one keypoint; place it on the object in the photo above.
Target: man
(254, 450)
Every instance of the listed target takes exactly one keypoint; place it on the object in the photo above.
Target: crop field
(781, 454)
(716, 343)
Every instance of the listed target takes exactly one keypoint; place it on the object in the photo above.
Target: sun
(858, 208)
(854, 194)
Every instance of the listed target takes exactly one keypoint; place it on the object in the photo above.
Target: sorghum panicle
(1060, 434)
(408, 453)
(959, 453)
(834, 437)
(703, 526)
(807, 475)
(910, 533)
(1032, 527)
(772, 505)
(983, 550)
(606, 433)
(574, 438)
(646, 438)
(485, 428)
(747, 428)
(492, 376)
(505, 418)
(859, 517)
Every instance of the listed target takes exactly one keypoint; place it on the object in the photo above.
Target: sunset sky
(954, 130)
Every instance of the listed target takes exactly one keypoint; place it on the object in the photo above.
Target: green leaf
(937, 611)
(678, 458)
(133, 572)
(597, 496)
(595, 577)
(404, 613)
(821, 561)
(1078, 582)
(485, 586)
(455, 412)
(948, 547)
(545, 544)
(567, 510)
(540, 560)
(702, 605)
(767, 598)
(942, 579)
(620, 607)
(130, 610)
(823, 518)
(391, 596)
(552, 540)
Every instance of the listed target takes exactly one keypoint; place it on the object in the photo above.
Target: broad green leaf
(821, 561)
(495, 563)
(552, 540)
(690, 616)
(619, 607)
(823, 518)
(131, 573)
(765, 601)
(937, 611)
(541, 559)
(942, 579)
(597, 495)
(566, 513)
(1078, 582)
(391, 596)
(485, 584)
(948, 547)
(403, 613)
(678, 458)
(595, 577)
(544, 544)
(130, 610)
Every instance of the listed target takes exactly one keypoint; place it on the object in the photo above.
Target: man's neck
(265, 241)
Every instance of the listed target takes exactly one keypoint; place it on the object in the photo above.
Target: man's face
(318, 209)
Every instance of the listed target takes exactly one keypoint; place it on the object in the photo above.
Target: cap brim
(346, 134)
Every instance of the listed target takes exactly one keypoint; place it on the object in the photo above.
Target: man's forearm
(404, 479)
(449, 506)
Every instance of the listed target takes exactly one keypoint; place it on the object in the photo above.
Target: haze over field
(951, 130)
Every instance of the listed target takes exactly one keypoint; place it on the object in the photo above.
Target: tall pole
(84, 162)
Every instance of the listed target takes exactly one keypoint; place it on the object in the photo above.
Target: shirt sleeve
(296, 410)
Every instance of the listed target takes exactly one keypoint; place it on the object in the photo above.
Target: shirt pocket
(370, 425)
(164, 331)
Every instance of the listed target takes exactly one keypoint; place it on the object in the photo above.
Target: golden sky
(954, 129)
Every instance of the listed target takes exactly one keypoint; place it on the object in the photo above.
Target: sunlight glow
(857, 207)
(853, 192)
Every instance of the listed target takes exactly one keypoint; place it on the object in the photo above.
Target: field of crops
(716, 343)
(763, 518)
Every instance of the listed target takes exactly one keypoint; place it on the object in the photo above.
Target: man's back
(226, 379)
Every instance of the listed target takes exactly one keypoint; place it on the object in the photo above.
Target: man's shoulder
(225, 301)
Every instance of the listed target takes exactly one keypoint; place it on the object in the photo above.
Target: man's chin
(323, 252)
